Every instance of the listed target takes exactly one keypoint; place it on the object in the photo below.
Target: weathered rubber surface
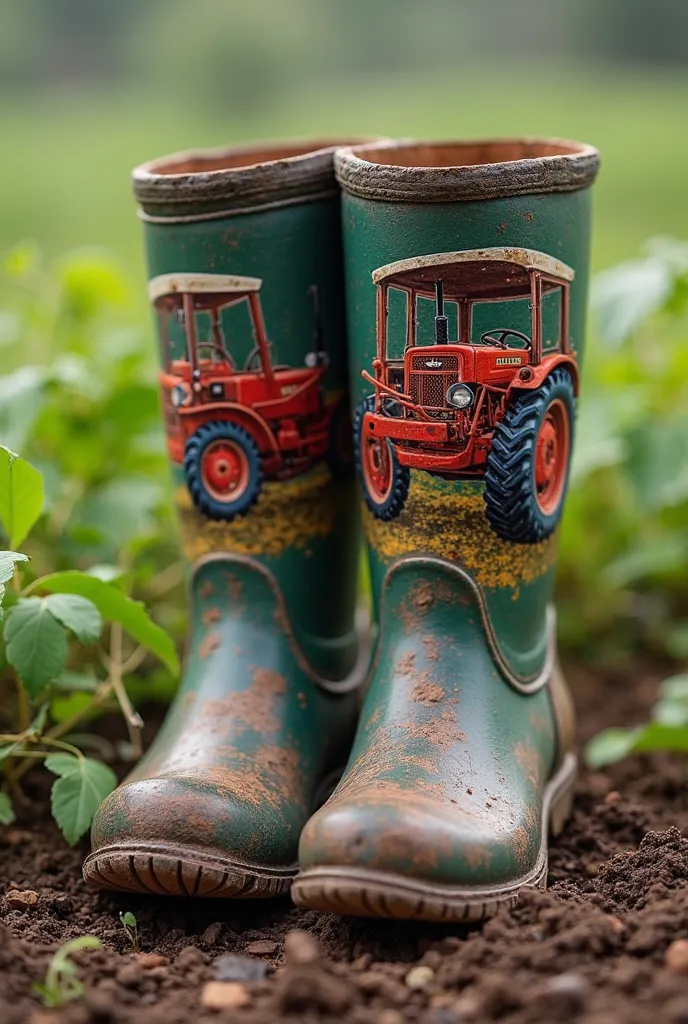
(365, 893)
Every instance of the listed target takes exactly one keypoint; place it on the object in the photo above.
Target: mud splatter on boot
(472, 261)
(244, 254)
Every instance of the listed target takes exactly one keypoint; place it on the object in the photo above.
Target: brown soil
(592, 949)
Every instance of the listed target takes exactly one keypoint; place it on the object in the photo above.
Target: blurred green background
(89, 89)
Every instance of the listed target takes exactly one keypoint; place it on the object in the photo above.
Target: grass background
(64, 176)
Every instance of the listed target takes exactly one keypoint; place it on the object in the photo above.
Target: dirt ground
(592, 949)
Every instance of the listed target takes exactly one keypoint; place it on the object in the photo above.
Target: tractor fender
(538, 373)
(245, 417)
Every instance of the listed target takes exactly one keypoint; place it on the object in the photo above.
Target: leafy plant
(667, 729)
(46, 618)
(61, 984)
(87, 613)
(131, 927)
(623, 571)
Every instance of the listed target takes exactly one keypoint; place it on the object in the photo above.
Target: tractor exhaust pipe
(441, 321)
(317, 321)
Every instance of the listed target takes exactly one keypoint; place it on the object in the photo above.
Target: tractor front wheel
(385, 483)
(223, 470)
(528, 464)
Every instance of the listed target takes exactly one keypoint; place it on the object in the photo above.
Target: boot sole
(363, 893)
(162, 870)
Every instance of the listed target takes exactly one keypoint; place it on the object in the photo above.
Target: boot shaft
(244, 257)
(467, 274)
(434, 236)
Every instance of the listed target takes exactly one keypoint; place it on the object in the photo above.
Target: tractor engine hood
(452, 364)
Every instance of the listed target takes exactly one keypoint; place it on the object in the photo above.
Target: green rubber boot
(244, 253)
(473, 261)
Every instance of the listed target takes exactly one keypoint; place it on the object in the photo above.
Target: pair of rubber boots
(427, 302)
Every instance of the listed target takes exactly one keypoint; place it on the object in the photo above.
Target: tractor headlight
(460, 396)
(180, 395)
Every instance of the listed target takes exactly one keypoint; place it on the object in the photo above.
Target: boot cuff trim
(211, 183)
(437, 172)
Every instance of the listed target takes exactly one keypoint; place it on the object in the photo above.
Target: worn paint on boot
(244, 256)
(467, 277)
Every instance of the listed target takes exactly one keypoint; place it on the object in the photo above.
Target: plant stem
(134, 660)
(166, 579)
(131, 717)
(61, 745)
(24, 760)
(23, 706)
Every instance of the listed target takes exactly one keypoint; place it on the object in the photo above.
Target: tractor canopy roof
(208, 290)
(475, 274)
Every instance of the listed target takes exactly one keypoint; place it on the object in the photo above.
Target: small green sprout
(61, 984)
(131, 927)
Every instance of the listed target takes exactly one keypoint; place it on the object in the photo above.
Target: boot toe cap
(425, 838)
(191, 835)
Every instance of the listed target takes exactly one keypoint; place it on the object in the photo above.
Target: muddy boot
(472, 259)
(244, 254)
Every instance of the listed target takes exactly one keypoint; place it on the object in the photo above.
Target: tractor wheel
(223, 470)
(385, 483)
(340, 452)
(528, 465)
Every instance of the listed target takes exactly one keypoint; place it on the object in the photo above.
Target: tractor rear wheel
(528, 464)
(223, 470)
(385, 483)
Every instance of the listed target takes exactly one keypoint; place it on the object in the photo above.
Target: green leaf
(106, 573)
(625, 296)
(64, 708)
(615, 744)
(36, 643)
(671, 712)
(8, 559)
(115, 606)
(7, 815)
(21, 495)
(610, 746)
(657, 736)
(75, 682)
(658, 462)
(650, 557)
(91, 282)
(128, 919)
(675, 687)
(78, 614)
(77, 794)
(122, 508)
(22, 397)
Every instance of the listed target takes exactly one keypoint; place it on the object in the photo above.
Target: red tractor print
(233, 426)
(499, 406)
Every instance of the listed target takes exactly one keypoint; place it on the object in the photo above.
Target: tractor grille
(446, 363)
(428, 385)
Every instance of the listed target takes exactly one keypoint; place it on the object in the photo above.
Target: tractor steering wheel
(214, 347)
(497, 336)
(254, 357)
